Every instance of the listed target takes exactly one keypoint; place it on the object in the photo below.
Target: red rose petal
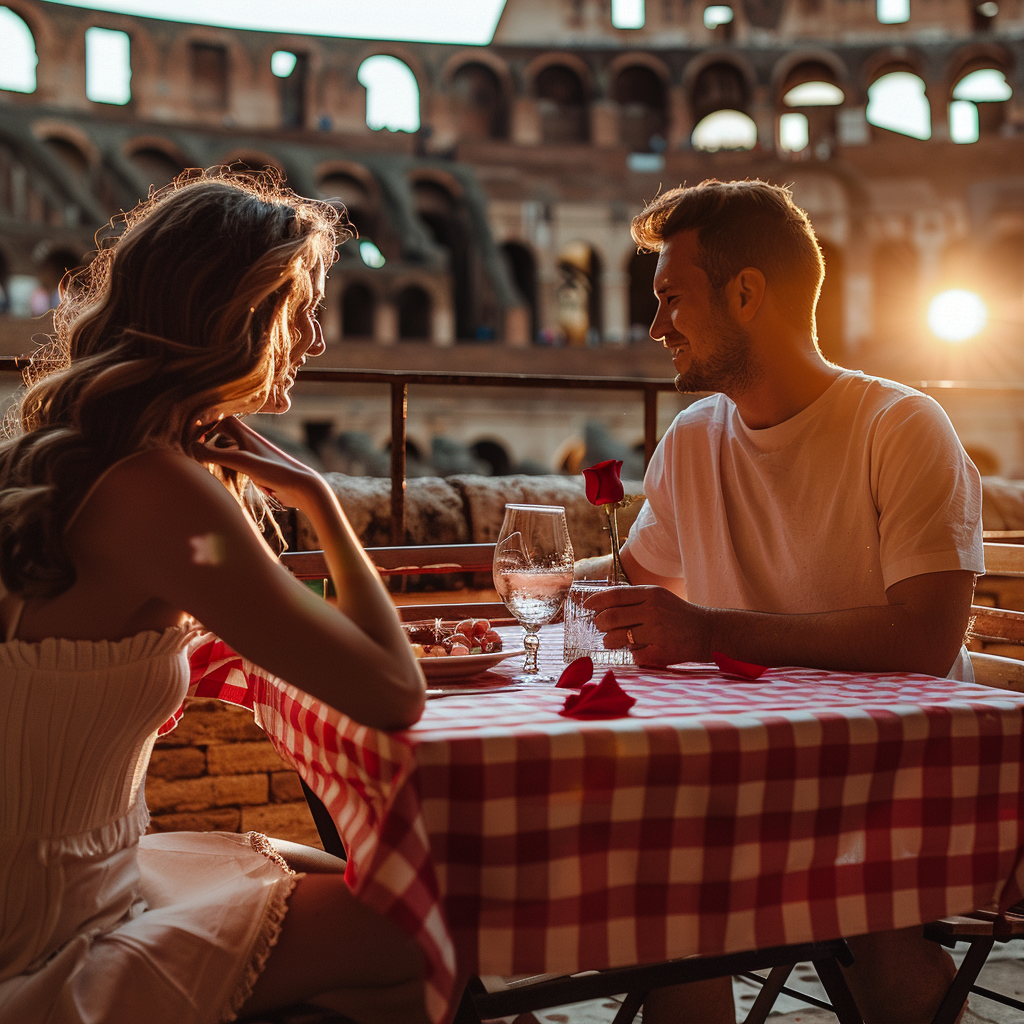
(576, 673)
(738, 668)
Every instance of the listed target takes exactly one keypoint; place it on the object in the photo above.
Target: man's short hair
(742, 224)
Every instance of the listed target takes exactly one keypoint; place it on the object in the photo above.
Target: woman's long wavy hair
(189, 310)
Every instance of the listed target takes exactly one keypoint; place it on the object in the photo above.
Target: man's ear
(745, 293)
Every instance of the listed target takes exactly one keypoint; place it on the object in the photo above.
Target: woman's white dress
(99, 922)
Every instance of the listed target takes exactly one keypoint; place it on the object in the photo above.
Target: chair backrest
(417, 561)
(1001, 627)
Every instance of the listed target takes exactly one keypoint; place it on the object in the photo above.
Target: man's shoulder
(703, 412)
(878, 396)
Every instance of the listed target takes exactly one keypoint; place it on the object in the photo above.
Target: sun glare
(957, 315)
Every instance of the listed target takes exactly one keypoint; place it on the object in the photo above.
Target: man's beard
(731, 368)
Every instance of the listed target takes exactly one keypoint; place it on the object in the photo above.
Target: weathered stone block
(208, 721)
(285, 786)
(208, 791)
(242, 758)
(177, 763)
(228, 819)
(282, 821)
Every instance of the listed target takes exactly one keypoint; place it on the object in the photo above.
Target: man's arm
(600, 568)
(920, 629)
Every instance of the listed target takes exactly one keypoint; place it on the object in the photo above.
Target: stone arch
(30, 55)
(643, 303)
(442, 179)
(479, 101)
(563, 103)
(50, 130)
(640, 58)
(495, 453)
(215, 96)
(442, 211)
(564, 57)
(719, 84)
(295, 94)
(522, 266)
(784, 68)
(156, 158)
(387, 48)
(358, 309)
(356, 187)
(478, 56)
(975, 57)
(894, 58)
(578, 293)
(642, 98)
(415, 312)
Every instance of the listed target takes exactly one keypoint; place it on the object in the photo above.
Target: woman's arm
(184, 540)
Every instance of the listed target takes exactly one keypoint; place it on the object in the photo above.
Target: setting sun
(957, 315)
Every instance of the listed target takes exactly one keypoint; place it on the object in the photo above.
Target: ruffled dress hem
(270, 929)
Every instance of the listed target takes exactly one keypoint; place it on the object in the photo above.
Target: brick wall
(218, 772)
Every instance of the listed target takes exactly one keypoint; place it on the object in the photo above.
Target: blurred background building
(493, 209)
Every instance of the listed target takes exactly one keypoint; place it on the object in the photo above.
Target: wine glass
(533, 569)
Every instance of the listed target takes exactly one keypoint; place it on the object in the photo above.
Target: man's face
(710, 350)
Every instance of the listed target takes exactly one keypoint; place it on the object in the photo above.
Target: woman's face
(307, 342)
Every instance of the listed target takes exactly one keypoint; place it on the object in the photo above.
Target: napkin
(605, 699)
(576, 673)
(738, 668)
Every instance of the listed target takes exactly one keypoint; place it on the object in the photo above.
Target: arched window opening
(478, 103)
(640, 94)
(978, 105)
(719, 86)
(643, 303)
(413, 314)
(357, 308)
(208, 65)
(897, 103)
(494, 454)
(108, 66)
(812, 96)
(895, 285)
(18, 57)
(5, 285)
(157, 167)
(392, 94)
(812, 84)
(69, 155)
(578, 294)
(447, 222)
(725, 129)
(562, 104)
(794, 132)
(829, 313)
(356, 197)
(292, 73)
(523, 269)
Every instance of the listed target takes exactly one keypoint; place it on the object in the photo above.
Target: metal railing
(398, 381)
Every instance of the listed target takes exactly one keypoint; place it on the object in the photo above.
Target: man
(802, 515)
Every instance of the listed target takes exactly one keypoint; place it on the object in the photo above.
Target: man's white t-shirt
(867, 486)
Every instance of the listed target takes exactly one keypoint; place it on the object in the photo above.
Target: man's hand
(665, 629)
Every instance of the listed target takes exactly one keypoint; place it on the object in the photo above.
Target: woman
(128, 515)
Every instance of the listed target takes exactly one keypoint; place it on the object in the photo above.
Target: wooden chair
(426, 559)
(981, 929)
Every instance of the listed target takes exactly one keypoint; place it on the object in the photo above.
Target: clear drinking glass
(582, 637)
(533, 568)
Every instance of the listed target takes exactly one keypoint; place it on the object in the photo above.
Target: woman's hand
(236, 446)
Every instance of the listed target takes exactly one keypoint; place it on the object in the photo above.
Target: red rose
(603, 484)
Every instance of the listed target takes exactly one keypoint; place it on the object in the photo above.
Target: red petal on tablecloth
(738, 668)
(605, 699)
(576, 673)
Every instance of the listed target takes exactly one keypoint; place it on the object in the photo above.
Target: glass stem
(532, 644)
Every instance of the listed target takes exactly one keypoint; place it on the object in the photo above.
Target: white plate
(464, 666)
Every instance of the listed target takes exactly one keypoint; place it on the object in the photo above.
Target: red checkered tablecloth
(720, 815)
